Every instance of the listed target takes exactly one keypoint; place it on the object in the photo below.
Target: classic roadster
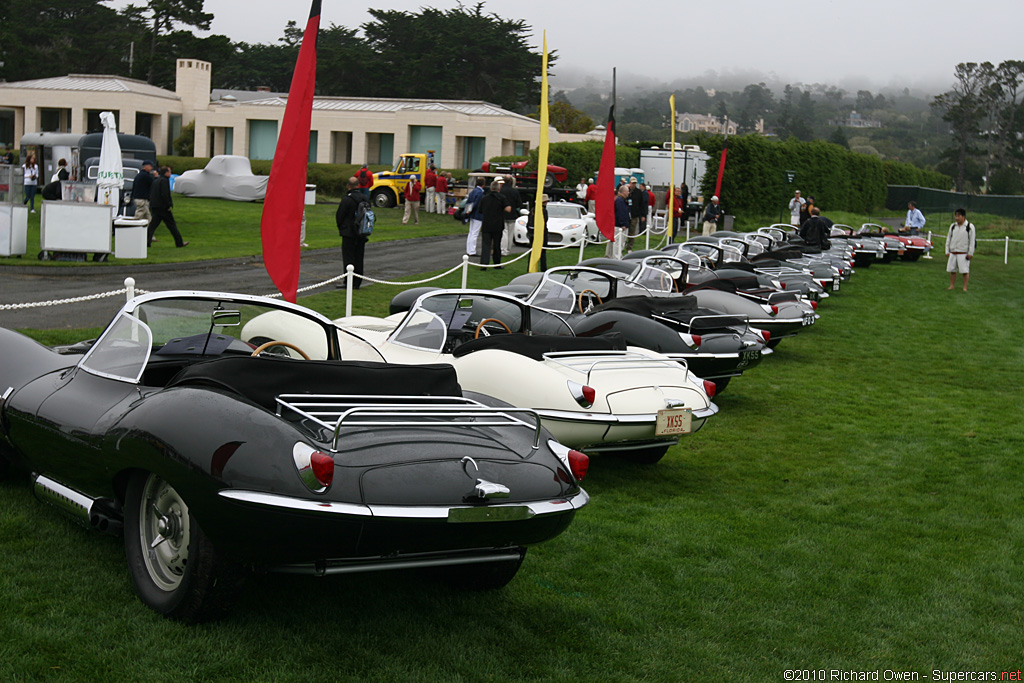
(595, 394)
(215, 457)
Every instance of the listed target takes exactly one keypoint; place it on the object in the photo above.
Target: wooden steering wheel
(266, 345)
(596, 296)
(483, 322)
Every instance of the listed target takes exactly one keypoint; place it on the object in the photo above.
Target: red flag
(721, 163)
(604, 202)
(283, 205)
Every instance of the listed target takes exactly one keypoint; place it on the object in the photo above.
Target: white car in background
(568, 223)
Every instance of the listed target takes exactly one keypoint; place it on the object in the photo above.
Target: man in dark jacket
(816, 230)
(493, 209)
(141, 188)
(712, 213)
(637, 208)
(353, 244)
(622, 221)
(160, 204)
(515, 203)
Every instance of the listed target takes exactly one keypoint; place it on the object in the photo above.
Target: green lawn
(855, 505)
(217, 228)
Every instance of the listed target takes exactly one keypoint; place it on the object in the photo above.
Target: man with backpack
(960, 244)
(349, 218)
(365, 177)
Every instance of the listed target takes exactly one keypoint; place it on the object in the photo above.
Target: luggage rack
(334, 411)
(585, 362)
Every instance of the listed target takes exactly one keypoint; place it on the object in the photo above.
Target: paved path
(24, 284)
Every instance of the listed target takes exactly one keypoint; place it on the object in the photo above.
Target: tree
(567, 118)
(164, 15)
(960, 109)
(42, 39)
(838, 137)
(756, 102)
(412, 50)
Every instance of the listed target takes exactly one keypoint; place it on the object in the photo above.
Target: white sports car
(568, 223)
(594, 394)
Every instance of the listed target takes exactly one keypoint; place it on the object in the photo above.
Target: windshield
(560, 290)
(441, 322)
(656, 279)
(568, 211)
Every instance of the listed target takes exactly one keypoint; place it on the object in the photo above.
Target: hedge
(839, 180)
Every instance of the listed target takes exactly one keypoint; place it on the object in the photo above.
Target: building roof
(378, 104)
(93, 83)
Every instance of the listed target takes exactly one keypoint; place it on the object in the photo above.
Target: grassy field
(218, 229)
(855, 505)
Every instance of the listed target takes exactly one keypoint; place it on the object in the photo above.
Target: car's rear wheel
(484, 576)
(549, 180)
(174, 566)
(383, 199)
(645, 456)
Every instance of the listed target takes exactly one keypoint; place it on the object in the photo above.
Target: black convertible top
(262, 379)
(646, 306)
(535, 346)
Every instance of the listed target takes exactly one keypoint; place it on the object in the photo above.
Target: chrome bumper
(438, 512)
(607, 419)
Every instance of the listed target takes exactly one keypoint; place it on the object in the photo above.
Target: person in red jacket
(412, 201)
(591, 196)
(440, 194)
(365, 178)
(430, 183)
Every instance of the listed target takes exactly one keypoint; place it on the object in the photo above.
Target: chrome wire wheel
(164, 532)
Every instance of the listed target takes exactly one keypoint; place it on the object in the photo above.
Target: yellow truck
(388, 187)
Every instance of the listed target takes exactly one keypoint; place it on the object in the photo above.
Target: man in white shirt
(960, 245)
(915, 219)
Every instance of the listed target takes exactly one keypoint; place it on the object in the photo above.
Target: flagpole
(537, 249)
(670, 207)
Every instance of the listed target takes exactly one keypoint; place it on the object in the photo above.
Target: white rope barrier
(130, 291)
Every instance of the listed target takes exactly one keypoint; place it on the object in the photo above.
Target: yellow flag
(542, 165)
(670, 216)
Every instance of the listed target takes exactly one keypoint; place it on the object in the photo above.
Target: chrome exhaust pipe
(87, 511)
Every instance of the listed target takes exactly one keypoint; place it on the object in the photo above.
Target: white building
(356, 130)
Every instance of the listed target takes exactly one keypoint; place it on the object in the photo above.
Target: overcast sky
(875, 43)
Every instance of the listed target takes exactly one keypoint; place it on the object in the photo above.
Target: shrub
(838, 179)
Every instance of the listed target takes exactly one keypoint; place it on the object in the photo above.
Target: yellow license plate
(673, 421)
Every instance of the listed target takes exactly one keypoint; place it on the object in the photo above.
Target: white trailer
(691, 163)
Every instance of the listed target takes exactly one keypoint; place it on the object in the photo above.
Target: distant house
(855, 120)
(704, 123)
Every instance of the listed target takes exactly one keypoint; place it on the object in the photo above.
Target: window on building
(262, 139)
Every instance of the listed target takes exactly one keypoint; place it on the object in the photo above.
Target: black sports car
(214, 456)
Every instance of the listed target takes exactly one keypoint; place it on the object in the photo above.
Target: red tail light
(814, 305)
(775, 310)
(767, 336)
(583, 394)
(579, 463)
(710, 388)
(782, 284)
(323, 467)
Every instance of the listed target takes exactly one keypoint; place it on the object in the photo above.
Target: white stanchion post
(647, 235)
(928, 254)
(583, 246)
(1006, 251)
(688, 228)
(349, 271)
(129, 286)
(465, 271)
